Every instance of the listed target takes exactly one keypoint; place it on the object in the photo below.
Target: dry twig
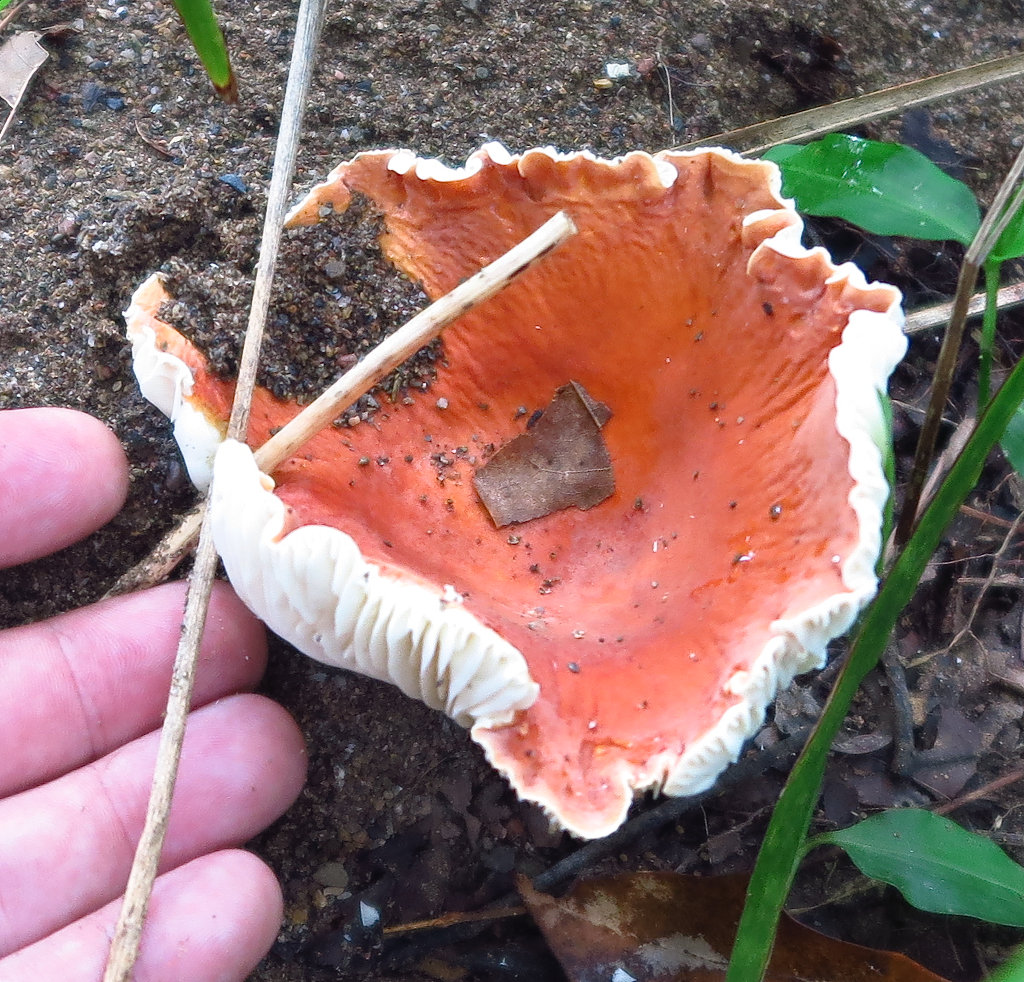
(389, 354)
(128, 933)
(861, 109)
(928, 318)
(12, 13)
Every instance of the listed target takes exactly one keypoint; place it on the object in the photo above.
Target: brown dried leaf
(665, 927)
(560, 461)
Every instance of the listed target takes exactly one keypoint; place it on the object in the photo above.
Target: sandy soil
(121, 162)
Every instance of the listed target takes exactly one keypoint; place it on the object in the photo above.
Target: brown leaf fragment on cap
(558, 462)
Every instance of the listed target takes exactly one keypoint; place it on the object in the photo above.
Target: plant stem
(996, 219)
(943, 381)
(812, 123)
(412, 336)
(927, 318)
(307, 33)
(988, 330)
(388, 355)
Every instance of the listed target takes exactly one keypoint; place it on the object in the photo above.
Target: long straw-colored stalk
(128, 932)
(425, 326)
(388, 355)
(362, 377)
(812, 123)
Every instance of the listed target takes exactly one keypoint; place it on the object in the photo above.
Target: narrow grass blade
(201, 23)
(784, 843)
(1010, 244)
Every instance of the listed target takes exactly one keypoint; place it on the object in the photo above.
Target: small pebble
(234, 181)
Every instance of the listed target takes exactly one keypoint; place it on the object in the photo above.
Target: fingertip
(226, 908)
(243, 766)
(210, 920)
(65, 475)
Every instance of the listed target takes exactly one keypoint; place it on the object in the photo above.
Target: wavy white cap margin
(312, 587)
(166, 381)
(872, 345)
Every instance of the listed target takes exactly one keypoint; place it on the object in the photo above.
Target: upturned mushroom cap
(636, 644)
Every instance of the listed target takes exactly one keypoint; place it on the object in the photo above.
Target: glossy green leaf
(937, 865)
(202, 27)
(784, 844)
(885, 188)
(4, 3)
(782, 152)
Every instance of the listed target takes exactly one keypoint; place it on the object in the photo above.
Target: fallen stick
(124, 948)
(407, 340)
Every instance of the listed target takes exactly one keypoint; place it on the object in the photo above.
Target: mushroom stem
(408, 339)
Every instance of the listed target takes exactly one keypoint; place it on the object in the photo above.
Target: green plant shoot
(783, 844)
(206, 36)
(891, 189)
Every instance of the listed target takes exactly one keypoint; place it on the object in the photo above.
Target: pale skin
(81, 697)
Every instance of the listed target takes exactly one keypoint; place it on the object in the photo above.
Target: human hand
(80, 697)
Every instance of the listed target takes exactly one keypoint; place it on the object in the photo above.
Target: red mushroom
(636, 644)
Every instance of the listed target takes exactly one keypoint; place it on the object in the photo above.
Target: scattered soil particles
(121, 161)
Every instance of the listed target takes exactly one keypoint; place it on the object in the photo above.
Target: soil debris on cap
(335, 297)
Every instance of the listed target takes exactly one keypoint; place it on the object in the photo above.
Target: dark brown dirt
(121, 162)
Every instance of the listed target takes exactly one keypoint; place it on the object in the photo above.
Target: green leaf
(783, 152)
(886, 188)
(937, 865)
(784, 841)
(4, 3)
(1013, 441)
(1012, 970)
(1011, 243)
(201, 23)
